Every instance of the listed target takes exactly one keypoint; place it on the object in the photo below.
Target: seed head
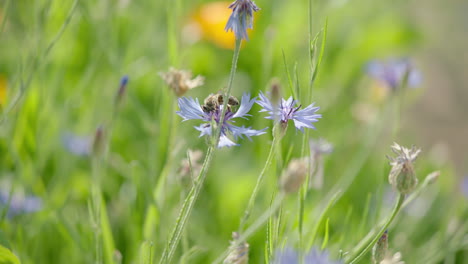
(294, 176)
(238, 252)
(402, 176)
(395, 259)
(180, 81)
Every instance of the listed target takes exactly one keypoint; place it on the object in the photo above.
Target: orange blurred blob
(3, 90)
(208, 22)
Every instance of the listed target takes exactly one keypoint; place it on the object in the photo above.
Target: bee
(213, 101)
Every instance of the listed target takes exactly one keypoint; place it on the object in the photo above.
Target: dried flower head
(241, 18)
(292, 179)
(98, 141)
(180, 81)
(211, 111)
(380, 249)
(238, 251)
(402, 176)
(289, 256)
(394, 72)
(190, 166)
(395, 259)
(288, 110)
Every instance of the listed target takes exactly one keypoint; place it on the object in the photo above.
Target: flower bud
(238, 252)
(122, 89)
(380, 250)
(294, 176)
(98, 141)
(402, 176)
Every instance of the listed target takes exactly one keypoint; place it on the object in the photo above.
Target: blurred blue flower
(287, 110)
(241, 18)
(191, 109)
(464, 186)
(78, 145)
(392, 72)
(19, 204)
(289, 256)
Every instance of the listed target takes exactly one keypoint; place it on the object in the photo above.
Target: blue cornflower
(241, 18)
(19, 204)
(464, 186)
(211, 110)
(392, 72)
(78, 145)
(289, 256)
(287, 110)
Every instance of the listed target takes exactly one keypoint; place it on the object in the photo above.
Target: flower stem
(192, 196)
(357, 256)
(255, 226)
(186, 210)
(227, 93)
(253, 196)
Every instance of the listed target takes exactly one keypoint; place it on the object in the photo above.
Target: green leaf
(7, 257)
(146, 252)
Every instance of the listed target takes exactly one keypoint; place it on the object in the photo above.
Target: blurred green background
(61, 62)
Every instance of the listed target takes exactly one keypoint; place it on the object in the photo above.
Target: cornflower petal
(241, 18)
(288, 110)
(224, 141)
(245, 106)
(245, 131)
(266, 104)
(190, 109)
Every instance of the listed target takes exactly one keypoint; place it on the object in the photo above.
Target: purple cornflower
(287, 110)
(19, 204)
(464, 186)
(289, 256)
(211, 110)
(78, 145)
(241, 18)
(392, 72)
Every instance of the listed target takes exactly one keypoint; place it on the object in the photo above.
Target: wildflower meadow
(205, 131)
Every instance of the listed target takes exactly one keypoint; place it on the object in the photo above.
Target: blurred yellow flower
(208, 22)
(3, 90)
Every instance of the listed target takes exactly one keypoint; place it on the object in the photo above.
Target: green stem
(227, 93)
(356, 257)
(186, 210)
(407, 201)
(253, 196)
(189, 202)
(255, 226)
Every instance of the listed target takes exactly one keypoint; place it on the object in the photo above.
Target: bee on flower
(210, 112)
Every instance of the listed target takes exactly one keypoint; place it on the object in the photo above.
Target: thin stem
(407, 201)
(356, 257)
(227, 93)
(253, 196)
(186, 209)
(189, 202)
(255, 226)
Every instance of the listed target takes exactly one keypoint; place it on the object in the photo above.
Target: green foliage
(63, 61)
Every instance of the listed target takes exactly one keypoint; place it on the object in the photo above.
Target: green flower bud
(402, 176)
